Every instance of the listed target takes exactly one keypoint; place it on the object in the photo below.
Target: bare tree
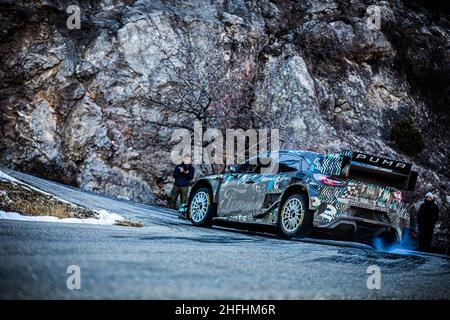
(205, 82)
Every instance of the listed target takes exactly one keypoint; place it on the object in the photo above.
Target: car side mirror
(233, 169)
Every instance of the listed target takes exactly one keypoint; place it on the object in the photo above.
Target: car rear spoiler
(396, 173)
(370, 168)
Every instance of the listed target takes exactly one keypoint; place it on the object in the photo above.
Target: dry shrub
(129, 223)
(39, 209)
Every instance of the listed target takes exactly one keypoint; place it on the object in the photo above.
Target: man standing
(183, 174)
(426, 219)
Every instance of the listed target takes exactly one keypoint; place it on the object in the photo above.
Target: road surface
(170, 259)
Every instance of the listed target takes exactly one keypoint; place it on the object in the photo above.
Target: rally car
(301, 191)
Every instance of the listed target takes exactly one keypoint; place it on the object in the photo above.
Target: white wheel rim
(292, 214)
(199, 206)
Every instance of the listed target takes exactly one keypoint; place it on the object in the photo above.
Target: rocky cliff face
(96, 107)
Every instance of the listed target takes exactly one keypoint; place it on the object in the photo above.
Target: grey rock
(101, 102)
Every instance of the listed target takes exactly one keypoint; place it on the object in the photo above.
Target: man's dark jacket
(182, 179)
(427, 217)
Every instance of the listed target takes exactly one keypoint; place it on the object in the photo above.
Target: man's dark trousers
(178, 191)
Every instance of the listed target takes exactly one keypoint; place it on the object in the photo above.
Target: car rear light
(397, 195)
(329, 181)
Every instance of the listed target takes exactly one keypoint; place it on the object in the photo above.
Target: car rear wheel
(201, 207)
(294, 218)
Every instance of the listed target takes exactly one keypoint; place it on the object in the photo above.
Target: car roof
(299, 152)
(308, 155)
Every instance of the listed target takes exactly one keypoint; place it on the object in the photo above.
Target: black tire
(201, 215)
(298, 228)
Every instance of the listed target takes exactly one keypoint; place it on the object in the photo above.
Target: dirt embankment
(19, 197)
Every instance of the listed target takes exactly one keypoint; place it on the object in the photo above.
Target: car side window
(255, 164)
(289, 163)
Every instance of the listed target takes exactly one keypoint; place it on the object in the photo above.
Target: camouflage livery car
(300, 191)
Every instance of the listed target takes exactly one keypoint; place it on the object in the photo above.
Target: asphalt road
(171, 259)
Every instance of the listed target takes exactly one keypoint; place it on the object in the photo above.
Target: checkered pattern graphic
(350, 192)
(342, 208)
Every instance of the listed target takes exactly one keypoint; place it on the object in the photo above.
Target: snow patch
(103, 217)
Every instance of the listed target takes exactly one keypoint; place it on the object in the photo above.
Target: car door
(278, 177)
(268, 182)
(241, 194)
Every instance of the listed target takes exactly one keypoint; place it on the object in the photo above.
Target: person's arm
(436, 214)
(176, 171)
(191, 172)
(420, 210)
(419, 215)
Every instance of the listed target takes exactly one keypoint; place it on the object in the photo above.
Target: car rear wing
(368, 168)
(390, 172)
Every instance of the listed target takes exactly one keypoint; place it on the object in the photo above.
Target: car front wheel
(201, 207)
(295, 219)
